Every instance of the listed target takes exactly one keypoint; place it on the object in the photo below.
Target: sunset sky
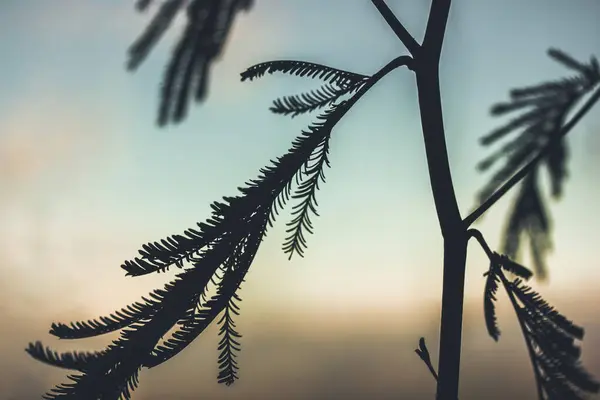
(86, 178)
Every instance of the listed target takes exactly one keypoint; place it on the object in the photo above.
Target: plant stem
(453, 230)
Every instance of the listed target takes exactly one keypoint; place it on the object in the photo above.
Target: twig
(399, 29)
(474, 233)
(423, 353)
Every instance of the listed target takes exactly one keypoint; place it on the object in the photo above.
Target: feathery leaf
(76, 360)
(489, 298)
(118, 320)
(544, 108)
(513, 267)
(551, 339)
(140, 49)
(196, 323)
(568, 61)
(301, 222)
(221, 252)
(529, 217)
(201, 43)
(305, 69)
(311, 101)
(229, 344)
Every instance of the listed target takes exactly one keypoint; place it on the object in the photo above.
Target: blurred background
(86, 178)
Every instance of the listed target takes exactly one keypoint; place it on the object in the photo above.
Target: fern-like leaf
(161, 22)
(82, 386)
(201, 43)
(587, 70)
(529, 218)
(544, 109)
(489, 299)
(301, 222)
(76, 360)
(304, 69)
(114, 372)
(545, 92)
(118, 320)
(229, 344)
(221, 252)
(311, 101)
(550, 338)
(273, 186)
(497, 262)
(534, 301)
(513, 267)
(233, 276)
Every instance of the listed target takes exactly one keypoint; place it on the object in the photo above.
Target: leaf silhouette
(528, 217)
(79, 360)
(118, 320)
(229, 344)
(157, 27)
(201, 43)
(115, 371)
(489, 299)
(306, 193)
(513, 267)
(550, 338)
(311, 101)
(221, 252)
(544, 109)
(498, 262)
(327, 74)
(233, 274)
(591, 71)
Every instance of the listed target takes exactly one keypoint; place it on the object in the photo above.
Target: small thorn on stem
(423, 353)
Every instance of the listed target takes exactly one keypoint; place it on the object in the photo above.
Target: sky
(86, 178)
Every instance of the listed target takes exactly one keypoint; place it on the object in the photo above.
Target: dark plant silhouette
(544, 109)
(208, 23)
(216, 255)
(549, 336)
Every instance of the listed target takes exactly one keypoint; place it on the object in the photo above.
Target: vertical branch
(432, 121)
(426, 67)
(453, 230)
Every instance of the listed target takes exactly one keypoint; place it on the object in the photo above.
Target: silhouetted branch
(435, 31)
(221, 252)
(423, 354)
(533, 163)
(497, 262)
(549, 336)
(399, 29)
